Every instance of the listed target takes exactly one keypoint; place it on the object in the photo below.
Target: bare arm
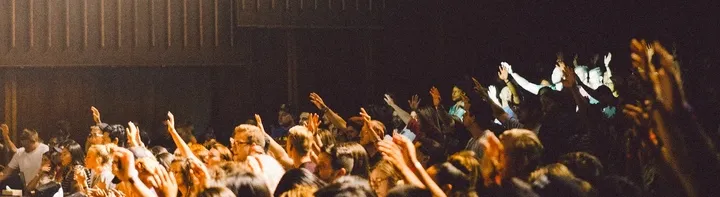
(179, 142)
(334, 118)
(274, 148)
(404, 115)
(498, 112)
(6, 138)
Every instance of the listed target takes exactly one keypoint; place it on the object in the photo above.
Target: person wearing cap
(28, 158)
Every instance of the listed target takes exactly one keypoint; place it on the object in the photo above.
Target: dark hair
(157, 150)
(433, 149)
(297, 177)
(559, 186)
(63, 127)
(77, 152)
(523, 152)
(347, 186)
(247, 184)
(326, 137)
(117, 131)
(382, 113)
(351, 156)
(617, 186)
(165, 159)
(481, 112)
(583, 165)
(408, 190)
(215, 191)
(457, 176)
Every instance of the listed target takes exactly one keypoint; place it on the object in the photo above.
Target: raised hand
(96, 115)
(391, 152)
(414, 102)
(503, 73)
(389, 100)
(5, 130)
(480, 89)
(435, 94)
(569, 75)
(133, 134)
(124, 167)
(259, 123)
(166, 183)
(507, 66)
(317, 101)
(367, 120)
(313, 123)
(606, 60)
(170, 122)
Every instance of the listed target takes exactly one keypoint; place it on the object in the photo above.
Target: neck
(32, 147)
(102, 168)
(476, 131)
(299, 161)
(504, 103)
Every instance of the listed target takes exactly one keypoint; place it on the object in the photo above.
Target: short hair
(347, 186)
(583, 165)
(247, 184)
(352, 157)
(300, 191)
(457, 176)
(326, 137)
(393, 175)
(215, 191)
(408, 190)
(156, 150)
(254, 134)
(300, 139)
(225, 154)
(523, 152)
(165, 159)
(467, 159)
(295, 178)
(103, 152)
(30, 135)
(117, 131)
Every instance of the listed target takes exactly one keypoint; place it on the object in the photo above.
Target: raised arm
(404, 116)
(525, 84)
(498, 112)
(334, 118)
(6, 137)
(503, 75)
(570, 84)
(275, 149)
(179, 142)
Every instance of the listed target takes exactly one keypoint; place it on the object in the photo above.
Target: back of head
(215, 191)
(351, 156)
(618, 186)
(300, 139)
(455, 176)
(468, 161)
(77, 153)
(247, 184)
(156, 150)
(583, 165)
(326, 138)
(408, 190)
(297, 177)
(165, 159)
(30, 135)
(254, 134)
(117, 132)
(347, 186)
(523, 152)
(300, 191)
(559, 186)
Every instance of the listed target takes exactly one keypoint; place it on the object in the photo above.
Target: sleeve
(14, 161)
(525, 84)
(513, 123)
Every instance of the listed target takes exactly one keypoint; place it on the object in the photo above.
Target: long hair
(351, 156)
(247, 184)
(295, 178)
(77, 153)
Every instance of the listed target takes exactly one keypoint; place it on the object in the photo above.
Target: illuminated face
(505, 94)
(556, 76)
(380, 182)
(96, 136)
(241, 145)
(214, 157)
(65, 157)
(582, 73)
(457, 94)
(595, 78)
(91, 158)
(285, 119)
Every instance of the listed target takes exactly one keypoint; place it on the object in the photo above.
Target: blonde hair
(300, 191)
(468, 160)
(300, 139)
(255, 135)
(389, 169)
(104, 151)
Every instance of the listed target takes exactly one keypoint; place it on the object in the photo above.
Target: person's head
(556, 76)
(156, 150)
(218, 153)
(384, 177)
(595, 78)
(453, 180)
(29, 139)
(165, 159)
(285, 116)
(479, 115)
(429, 151)
(98, 156)
(96, 136)
(583, 165)
(469, 161)
(180, 168)
(304, 116)
(343, 159)
(63, 129)
(299, 142)
(200, 152)
(297, 177)
(582, 73)
(215, 191)
(366, 135)
(556, 169)
(300, 191)
(247, 139)
(529, 110)
(617, 186)
(116, 135)
(522, 153)
(247, 184)
(72, 154)
(347, 186)
(408, 190)
(552, 185)
(326, 138)
(457, 94)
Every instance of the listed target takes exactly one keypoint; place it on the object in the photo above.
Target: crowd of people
(571, 135)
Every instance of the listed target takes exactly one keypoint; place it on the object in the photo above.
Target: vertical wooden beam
(102, 23)
(217, 33)
(49, 23)
(10, 86)
(135, 21)
(185, 34)
(152, 23)
(200, 23)
(67, 23)
(369, 61)
(85, 25)
(119, 23)
(169, 30)
(13, 24)
(31, 21)
(232, 23)
(291, 46)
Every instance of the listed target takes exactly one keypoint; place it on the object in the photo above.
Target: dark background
(422, 43)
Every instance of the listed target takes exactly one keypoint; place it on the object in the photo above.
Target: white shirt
(28, 163)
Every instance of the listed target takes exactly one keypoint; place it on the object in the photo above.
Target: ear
(446, 188)
(341, 172)
(116, 141)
